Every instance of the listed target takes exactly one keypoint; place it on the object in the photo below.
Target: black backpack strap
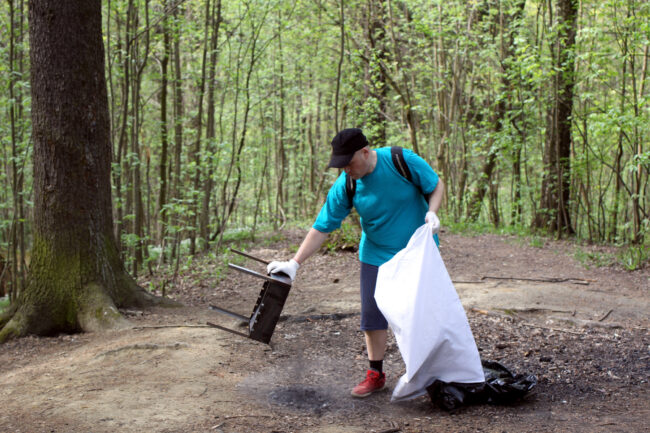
(350, 188)
(397, 155)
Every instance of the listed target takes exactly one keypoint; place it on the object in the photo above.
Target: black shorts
(371, 317)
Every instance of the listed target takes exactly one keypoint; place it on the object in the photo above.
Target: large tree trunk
(76, 278)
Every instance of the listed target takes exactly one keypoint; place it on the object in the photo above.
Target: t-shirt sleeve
(421, 172)
(335, 208)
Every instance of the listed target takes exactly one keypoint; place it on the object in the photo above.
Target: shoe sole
(366, 394)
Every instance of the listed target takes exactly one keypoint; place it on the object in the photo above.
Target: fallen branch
(170, 326)
(553, 329)
(315, 317)
(605, 316)
(543, 280)
(540, 310)
(247, 416)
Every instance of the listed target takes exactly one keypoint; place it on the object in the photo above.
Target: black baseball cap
(344, 145)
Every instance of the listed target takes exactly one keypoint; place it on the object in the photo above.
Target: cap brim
(340, 161)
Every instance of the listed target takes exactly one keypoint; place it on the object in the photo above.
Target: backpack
(397, 155)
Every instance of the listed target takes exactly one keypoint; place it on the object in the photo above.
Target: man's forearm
(310, 245)
(436, 197)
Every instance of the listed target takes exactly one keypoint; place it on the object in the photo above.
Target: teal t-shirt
(391, 208)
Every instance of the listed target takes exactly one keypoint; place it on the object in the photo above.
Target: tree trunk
(376, 33)
(178, 130)
(555, 193)
(164, 138)
(339, 66)
(637, 204)
(118, 175)
(281, 159)
(406, 99)
(76, 278)
(16, 193)
(196, 152)
(208, 182)
(228, 205)
(484, 182)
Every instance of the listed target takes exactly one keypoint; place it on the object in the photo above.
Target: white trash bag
(418, 299)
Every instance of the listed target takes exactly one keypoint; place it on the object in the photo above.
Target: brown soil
(582, 332)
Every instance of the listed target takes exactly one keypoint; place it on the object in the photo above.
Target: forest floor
(582, 332)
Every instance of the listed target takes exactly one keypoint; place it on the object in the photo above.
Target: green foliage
(537, 242)
(449, 66)
(522, 234)
(590, 259)
(238, 235)
(634, 257)
(483, 227)
(4, 303)
(630, 257)
(346, 238)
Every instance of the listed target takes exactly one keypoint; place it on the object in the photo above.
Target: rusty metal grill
(268, 307)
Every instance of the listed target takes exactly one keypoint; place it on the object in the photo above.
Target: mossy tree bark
(76, 280)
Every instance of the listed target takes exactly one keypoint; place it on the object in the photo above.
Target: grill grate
(268, 306)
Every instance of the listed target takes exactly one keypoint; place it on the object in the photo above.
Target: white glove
(288, 268)
(432, 219)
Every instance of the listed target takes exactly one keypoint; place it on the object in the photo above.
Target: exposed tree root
(16, 327)
(132, 295)
(148, 300)
(6, 315)
(96, 311)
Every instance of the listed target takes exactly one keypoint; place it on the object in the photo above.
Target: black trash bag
(501, 386)
(504, 387)
(451, 396)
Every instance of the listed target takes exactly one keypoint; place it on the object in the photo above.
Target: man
(391, 209)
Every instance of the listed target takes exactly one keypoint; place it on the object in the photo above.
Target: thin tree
(555, 192)
(208, 182)
(505, 36)
(76, 279)
(196, 151)
(164, 137)
(178, 129)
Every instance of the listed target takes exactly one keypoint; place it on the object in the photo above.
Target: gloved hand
(432, 219)
(288, 268)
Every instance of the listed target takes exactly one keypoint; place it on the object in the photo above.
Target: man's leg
(376, 344)
(374, 327)
(375, 378)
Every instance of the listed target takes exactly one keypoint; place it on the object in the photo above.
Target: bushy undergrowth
(634, 257)
(346, 238)
(212, 265)
(630, 257)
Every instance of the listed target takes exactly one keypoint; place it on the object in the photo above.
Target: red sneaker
(374, 381)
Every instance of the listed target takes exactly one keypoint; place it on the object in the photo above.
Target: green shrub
(593, 258)
(537, 242)
(634, 257)
(346, 238)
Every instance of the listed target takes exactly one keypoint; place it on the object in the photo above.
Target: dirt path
(585, 338)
